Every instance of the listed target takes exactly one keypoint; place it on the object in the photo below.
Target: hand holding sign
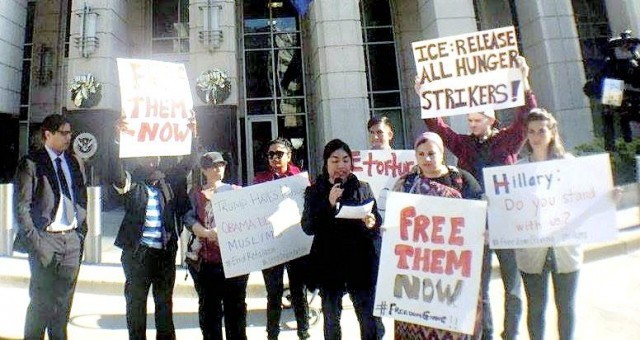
(524, 69)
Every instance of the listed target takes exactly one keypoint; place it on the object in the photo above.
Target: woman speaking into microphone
(343, 253)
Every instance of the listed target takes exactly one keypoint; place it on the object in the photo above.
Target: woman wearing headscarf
(432, 177)
(343, 253)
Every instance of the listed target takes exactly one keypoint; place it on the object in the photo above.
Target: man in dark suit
(51, 211)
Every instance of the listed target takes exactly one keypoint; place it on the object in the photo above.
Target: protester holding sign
(488, 146)
(217, 296)
(535, 264)
(343, 255)
(433, 177)
(380, 133)
(279, 155)
(154, 200)
(148, 237)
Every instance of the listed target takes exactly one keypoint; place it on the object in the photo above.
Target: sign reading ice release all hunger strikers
(552, 203)
(259, 225)
(431, 261)
(381, 169)
(157, 106)
(469, 73)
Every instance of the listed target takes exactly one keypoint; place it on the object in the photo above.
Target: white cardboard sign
(552, 203)
(431, 261)
(157, 106)
(469, 73)
(259, 225)
(381, 169)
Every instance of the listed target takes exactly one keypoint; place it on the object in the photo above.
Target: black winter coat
(344, 251)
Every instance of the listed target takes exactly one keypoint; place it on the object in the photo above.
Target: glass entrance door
(275, 102)
(260, 131)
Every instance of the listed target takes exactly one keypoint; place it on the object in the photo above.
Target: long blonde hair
(556, 147)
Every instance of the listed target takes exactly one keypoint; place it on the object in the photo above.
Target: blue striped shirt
(152, 231)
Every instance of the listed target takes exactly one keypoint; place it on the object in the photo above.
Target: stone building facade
(309, 78)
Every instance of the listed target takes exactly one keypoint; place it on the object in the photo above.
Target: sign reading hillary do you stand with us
(469, 73)
(157, 105)
(552, 203)
(431, 261)
(259, 225)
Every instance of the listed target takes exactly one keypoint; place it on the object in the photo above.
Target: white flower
(215, 84)
(82, 87)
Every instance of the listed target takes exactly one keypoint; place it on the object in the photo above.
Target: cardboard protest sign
(157, 105)
(552, 203)
(431, 261)
(259, 226)
(381, 169)
(469, 73)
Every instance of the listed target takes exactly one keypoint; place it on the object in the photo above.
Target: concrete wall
(623, 15)
(12, 20)
(338, 81)
(441, 18)
(550, 41)
(115, 41)
(408, 30)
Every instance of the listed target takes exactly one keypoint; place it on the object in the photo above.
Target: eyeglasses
(64, 132)
(275, 154)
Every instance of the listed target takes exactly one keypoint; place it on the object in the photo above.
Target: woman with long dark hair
(343, 254)
(537, 264)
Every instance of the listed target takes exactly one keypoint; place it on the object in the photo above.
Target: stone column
(119, 24)
(550, 42)
(11, 43)
(205, 57)
(624, 15)
(441, 18)
(338, 85)
(113, 42)
(12, 23)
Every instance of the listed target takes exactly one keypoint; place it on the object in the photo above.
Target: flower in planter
(85, 90)
(214, 85)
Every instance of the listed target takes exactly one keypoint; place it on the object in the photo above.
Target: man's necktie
(67, 202)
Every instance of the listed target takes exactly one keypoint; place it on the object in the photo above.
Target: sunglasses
(275, 154)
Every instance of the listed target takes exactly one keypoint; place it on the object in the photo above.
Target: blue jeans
(564, 288)
(512, 302)
(371, 327)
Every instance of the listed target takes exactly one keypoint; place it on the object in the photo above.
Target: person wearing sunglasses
(280, 165)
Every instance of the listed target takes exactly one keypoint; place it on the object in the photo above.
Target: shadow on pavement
(255, 318)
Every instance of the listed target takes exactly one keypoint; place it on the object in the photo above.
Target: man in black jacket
(149, 233)
(51, 211)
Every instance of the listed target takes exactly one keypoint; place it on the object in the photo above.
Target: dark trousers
(564, 289)
(51, 287)
(512, 301)
(371, 327)
(273, 282)
(143, 268)
(218, 296)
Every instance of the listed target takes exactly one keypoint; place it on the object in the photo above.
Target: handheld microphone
(338, 181)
